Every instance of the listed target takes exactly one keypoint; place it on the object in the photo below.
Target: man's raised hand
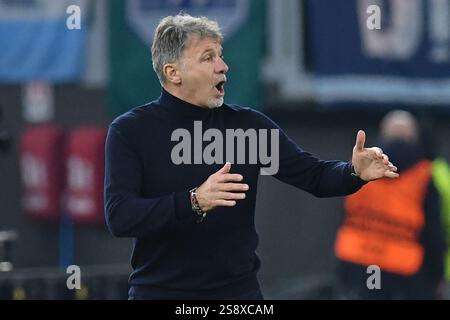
(371, 163)
(221, 189)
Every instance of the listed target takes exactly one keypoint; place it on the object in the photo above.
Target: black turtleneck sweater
(147, 198)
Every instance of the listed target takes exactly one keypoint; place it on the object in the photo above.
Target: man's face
(202, 73)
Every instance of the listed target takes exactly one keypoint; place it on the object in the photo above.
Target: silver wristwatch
(195, 206)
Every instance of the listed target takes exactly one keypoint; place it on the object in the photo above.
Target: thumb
(360, 140)
(225, 169)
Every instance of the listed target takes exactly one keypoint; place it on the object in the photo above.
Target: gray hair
(172, 37)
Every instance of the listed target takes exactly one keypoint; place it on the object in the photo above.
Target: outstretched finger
(360, 140)
(392, 167)
(391, 174)
(231, 196)
(225, 203)
(230, 177)
(234, 187)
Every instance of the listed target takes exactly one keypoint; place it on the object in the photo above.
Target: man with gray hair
(193, 222)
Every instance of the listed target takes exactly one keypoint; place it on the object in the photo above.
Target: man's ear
(172, 73)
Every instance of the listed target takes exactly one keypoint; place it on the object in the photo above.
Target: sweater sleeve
(127, 213)
(306, 172)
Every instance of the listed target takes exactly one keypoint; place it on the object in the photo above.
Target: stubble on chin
(215, 103)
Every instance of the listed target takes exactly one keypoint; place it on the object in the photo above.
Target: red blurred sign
(85, 174)
(41, 160)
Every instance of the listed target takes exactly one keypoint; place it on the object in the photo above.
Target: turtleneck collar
(182, 108)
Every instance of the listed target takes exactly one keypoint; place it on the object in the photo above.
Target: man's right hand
(221, 189)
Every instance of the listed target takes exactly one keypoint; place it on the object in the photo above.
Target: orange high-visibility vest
(383, 223)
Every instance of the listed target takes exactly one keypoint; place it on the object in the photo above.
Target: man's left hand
(371, 163)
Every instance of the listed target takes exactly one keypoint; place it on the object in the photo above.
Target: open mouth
(220, 88)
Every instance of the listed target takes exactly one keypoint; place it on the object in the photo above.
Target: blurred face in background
(202, 73)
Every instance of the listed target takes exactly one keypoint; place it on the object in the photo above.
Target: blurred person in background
(193, 225)
(441, 179)
(394, 224)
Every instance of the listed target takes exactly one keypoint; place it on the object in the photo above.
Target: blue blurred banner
(36, 42)
(409, 43)
(406, 60)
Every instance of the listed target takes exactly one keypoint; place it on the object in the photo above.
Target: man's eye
(208, 58)
(222, 57)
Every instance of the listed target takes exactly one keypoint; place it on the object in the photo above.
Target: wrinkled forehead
(197, 45)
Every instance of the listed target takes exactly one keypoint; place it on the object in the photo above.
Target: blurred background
(68, 68)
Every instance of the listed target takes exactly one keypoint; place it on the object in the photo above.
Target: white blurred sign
(38, 102)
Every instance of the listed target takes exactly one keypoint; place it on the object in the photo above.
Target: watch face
(194, 203)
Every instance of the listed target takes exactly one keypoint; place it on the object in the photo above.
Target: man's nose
(221, 66)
